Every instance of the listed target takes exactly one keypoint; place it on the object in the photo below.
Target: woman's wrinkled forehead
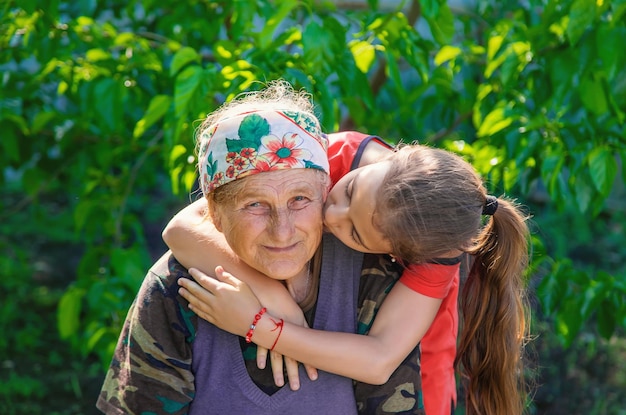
(260, 141)
(308, 183)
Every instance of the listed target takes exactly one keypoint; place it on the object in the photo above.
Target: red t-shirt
(438, 279)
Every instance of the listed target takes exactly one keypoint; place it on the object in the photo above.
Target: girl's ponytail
(494, 310)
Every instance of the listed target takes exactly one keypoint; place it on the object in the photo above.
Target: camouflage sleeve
(151, 368)
(402, 394)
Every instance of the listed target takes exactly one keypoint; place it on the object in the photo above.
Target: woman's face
(275, 222)
(350, 207)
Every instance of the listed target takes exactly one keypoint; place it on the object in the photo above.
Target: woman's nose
(282, 225)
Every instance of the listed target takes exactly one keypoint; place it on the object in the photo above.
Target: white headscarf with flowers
(260, 141)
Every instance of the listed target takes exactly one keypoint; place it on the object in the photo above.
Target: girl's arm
(401, 322)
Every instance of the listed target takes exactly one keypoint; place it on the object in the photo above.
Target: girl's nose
(335, 215)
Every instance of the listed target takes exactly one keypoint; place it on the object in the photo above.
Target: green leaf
(175, 178)
(364, 54)
(551, 169)
(442, 25)
(393, 71)
(42, 119)
(583, 191)
(494, 122)
(156, 110)
(68, 312)
(581, 17)
(93, 340)
(108, 103)
(548, 292)
(592, 93)
(177, 152)
(603, 169)
(276, 18)
(128, 265)
(183, 57)
(189, 179)
(187, 84)
(239, 68)
(319, 44)
(569, 320)
(9, 143)
(517, 57)
(430, 8)
(96, 55)
(594, 294)
(607, 319)
(447, 53)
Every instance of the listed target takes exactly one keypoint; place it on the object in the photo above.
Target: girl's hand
(228, 304)
(231, 305)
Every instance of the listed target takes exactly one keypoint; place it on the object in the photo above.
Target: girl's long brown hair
(431, 203)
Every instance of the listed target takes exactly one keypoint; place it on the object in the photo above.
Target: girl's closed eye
(348, 189)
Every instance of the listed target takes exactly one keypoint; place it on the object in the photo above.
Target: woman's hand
(231, 305)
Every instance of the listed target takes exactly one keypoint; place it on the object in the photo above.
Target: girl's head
(350, 211)
(418, 204)
(430, 203)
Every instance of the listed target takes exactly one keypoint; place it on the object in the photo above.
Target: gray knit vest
(223, 385)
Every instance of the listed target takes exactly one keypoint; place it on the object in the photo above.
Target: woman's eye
(299, 202)
(256, 208)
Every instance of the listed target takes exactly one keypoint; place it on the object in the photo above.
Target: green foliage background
(99, 101)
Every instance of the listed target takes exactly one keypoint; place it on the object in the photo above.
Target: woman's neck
(300, 285)
(304, 287)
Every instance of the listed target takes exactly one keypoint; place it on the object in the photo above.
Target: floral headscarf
(260, 141)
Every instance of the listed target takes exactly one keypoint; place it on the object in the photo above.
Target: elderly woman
(264, 175)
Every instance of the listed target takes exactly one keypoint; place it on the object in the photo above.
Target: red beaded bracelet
(257, 317)
(278, 325)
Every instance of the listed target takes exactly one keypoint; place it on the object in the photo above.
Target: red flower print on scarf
(284, 151)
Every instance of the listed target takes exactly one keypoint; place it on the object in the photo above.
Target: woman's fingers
(276, 360)
(261, 357)
(292, 373)
(311, 372)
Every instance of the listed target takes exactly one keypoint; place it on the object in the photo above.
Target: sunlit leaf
(494, 122)
(446, 54)
(68, 312)
(156, 110)
(277, 17)
(364, 54)
(183, 57)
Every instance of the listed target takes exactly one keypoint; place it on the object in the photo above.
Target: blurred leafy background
(99, 101)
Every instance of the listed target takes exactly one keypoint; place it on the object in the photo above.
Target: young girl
(419, 203)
